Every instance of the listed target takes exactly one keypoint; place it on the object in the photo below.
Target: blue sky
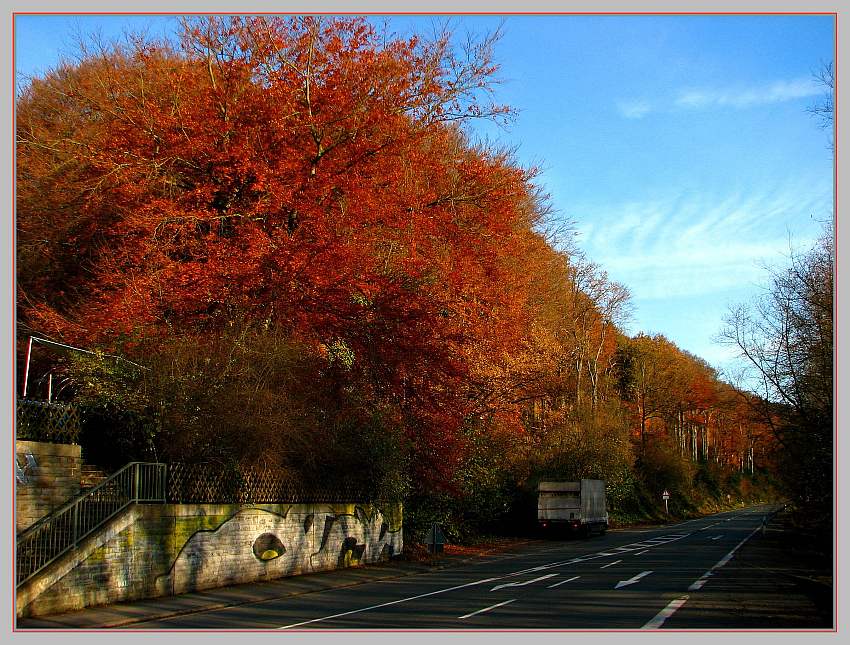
(679, 146)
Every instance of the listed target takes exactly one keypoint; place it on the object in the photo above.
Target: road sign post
(665, 496)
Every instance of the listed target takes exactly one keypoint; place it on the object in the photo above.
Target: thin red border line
(14, 434)
(835, 488)
(729, 630)
(633, 630)
(708, 13)
(426, 13)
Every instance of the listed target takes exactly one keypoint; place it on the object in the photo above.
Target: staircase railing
(61, 531)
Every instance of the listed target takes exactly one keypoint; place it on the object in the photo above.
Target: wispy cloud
(736, 97)
(743, 97)
(634, 109)
(689, 245)
(687, 256)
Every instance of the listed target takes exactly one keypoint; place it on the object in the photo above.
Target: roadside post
(665, 496)
(435, 539)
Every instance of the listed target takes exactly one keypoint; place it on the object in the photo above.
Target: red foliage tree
(300, 171)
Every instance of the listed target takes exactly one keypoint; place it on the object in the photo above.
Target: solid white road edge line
(522, 584)
(387, 604)
(481, 611)
(558, 584)
(395, 602)
(674, 605)
(665, 613)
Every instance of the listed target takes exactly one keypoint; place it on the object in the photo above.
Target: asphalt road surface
(680, 576)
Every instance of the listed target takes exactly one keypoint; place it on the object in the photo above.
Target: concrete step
(90, 476)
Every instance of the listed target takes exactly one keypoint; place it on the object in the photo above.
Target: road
(681, 576)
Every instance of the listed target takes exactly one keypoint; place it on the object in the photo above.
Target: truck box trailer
(577, 507)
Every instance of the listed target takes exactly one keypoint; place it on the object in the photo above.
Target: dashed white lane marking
(563, 582)
(387, 604)
(641, 552)
(655, 542)
(610, 564)
(699, 583)
(644, 544)
(523, 584)
(481, 611)
(716, 537)
(704, 577)
(665, 613)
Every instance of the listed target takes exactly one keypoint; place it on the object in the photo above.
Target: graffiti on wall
(259, 543)
(268, 547)
(25, 465)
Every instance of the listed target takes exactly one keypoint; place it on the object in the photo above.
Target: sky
(679, 148)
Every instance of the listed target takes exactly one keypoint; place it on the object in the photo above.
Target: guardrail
(57, 533)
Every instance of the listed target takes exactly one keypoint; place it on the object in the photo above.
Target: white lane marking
(729, 555)
(594, 556)
(395, 602)
(481, 611)
(519, 573)
(558, 584)
(716, 537)
(522, 584)
(610, 564)
(665, 613)
(699, 583)
(632, 580)
(722, 562)
(641, 552)
(387, 604)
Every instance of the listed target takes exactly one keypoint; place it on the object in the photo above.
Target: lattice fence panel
(216, 484)
(50, 422)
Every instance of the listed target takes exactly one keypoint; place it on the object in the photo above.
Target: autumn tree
(288, 223)
(786, 339)
(306, 173)
(651, 379)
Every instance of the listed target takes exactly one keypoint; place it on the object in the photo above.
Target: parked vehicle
(575, 507)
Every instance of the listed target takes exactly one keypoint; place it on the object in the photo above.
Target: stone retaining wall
(151, 551)
(46, 476)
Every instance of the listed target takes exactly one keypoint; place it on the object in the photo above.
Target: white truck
(576, 507)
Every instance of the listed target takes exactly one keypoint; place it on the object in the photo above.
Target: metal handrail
(61, 531)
